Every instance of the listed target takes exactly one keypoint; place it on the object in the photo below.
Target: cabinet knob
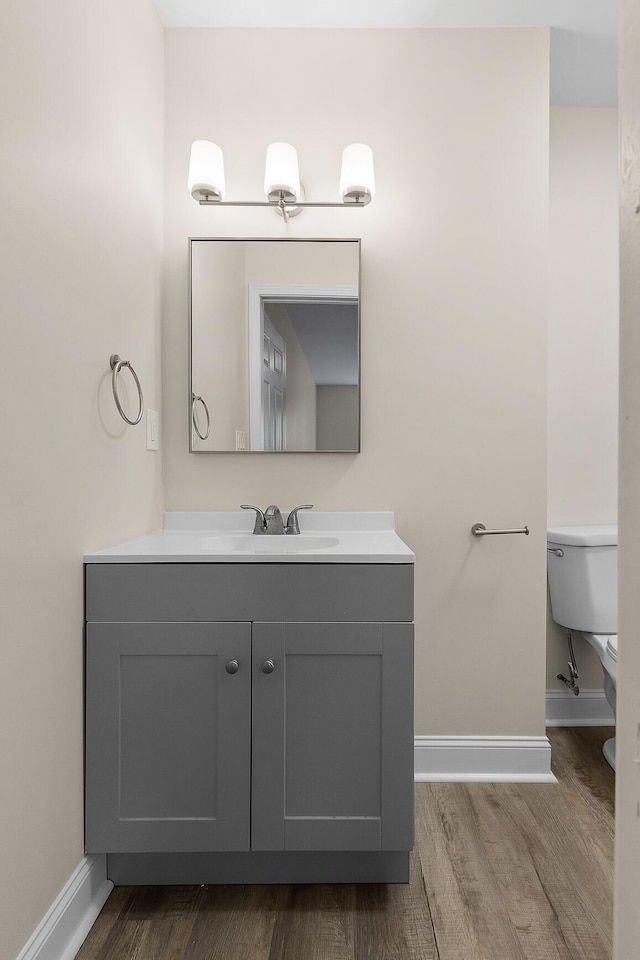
(232, 666)
(268, 666)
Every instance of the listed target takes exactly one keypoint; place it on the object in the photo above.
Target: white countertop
(227, 537)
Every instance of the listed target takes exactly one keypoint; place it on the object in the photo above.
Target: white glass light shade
(281, 175)
(357, 181)
(206, 171)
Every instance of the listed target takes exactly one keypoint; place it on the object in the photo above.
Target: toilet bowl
(606, 646)
(582, 568)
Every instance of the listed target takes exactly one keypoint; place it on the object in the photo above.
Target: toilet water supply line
(573, 670)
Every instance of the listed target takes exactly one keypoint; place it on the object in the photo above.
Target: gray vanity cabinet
(304, 751)
(168, 750)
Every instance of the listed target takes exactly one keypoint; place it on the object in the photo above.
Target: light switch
(153, 430)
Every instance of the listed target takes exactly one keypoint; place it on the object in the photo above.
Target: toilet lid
(612, 646)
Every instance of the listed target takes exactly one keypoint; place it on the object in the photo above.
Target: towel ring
(116, 366)
(194, 400)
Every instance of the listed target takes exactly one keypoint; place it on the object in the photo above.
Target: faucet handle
(260, 524)
(293, 526)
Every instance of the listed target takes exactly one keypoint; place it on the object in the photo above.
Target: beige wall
(627, 883)
(80, 278)
(453, 317)
(583, 339)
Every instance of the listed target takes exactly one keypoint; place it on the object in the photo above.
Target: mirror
(274, 346)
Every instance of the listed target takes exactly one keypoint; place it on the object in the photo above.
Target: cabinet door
(167, 737)
(332, 736)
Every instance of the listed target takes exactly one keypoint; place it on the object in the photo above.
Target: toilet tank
(583, 582)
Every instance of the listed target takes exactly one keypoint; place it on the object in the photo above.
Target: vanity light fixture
(282, 185)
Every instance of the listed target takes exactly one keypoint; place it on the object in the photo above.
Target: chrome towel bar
(479, 530)
(116, 366)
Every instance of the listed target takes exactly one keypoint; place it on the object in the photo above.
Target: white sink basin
(226, 537)
(251, 543)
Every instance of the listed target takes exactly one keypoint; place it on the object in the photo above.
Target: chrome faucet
(271, 522)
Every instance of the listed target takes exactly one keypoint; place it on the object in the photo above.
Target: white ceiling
(583, 39)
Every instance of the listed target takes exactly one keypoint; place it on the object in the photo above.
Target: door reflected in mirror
(275, 345)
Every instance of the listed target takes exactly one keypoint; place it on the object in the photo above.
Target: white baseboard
(487, 759)
(64, 927)
(589, 709)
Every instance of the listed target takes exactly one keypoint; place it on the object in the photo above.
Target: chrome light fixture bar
(282, 185)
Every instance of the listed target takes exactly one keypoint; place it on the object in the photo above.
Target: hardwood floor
(499, 872)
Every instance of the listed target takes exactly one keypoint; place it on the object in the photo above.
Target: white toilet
(582, 565)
